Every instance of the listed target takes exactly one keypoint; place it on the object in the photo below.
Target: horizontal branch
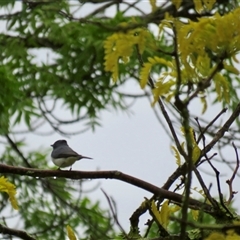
(160, 192)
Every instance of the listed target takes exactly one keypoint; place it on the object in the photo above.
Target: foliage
(54, 56)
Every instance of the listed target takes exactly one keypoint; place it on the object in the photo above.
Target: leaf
(177, 3)
(231, 68)
(70, 233)
(215, 236)
(162, 87)
(198, 6)
(155, 212)
(204, 103)
(195, 214)
(209, 4)
(196, 152)
(18, 118)
(144, 74)
(153, 5)
(10, 189)
(222, 87)
(234, 57)
(176, 155)
(164, 214)
(174, 208)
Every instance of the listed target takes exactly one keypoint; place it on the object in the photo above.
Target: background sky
(133, 143)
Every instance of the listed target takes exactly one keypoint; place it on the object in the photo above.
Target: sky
(133, 143)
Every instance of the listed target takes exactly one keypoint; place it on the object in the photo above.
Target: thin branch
(217, 175)
(100, 9)
(222, 227)
(222, 130)
(210, 124)
(183, 108)
(15, 148)
(110, 201)
(229, 182)
(132, 5)
(164, 112)
(205, 83)
(206, 191)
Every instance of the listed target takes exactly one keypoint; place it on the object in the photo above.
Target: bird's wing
(65, 152)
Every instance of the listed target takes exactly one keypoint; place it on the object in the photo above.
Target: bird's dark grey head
(59, 143)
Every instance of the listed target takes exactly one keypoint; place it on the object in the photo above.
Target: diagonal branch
(15, 232)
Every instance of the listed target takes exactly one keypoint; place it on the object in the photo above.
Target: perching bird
(63, 156)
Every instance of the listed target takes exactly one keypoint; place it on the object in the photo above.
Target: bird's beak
(51, 145)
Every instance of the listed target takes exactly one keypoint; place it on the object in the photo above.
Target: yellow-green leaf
(234, 57)
(215, 236)
(231, 68)
(144, 74)
(10, 189)
(155, 212)
(209, 4)
(174, 208)
(195, 214)
(204, 103)
(153, 5)
(198, 6)
(221, 87)
(177, 3)
(196, 153)
(164, 214)
(176, 155)
(161, 87)
(70, 233)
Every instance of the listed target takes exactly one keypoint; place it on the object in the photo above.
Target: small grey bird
(63, 156)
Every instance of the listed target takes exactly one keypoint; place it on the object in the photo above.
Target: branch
(178, 198)
(202, 132)
(229, 182)
(163, 110)
(15, 232)
(15, 148)
(182, 170)
(222, 130)
(112, 206)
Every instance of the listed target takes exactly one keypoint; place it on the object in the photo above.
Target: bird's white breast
(64, 162)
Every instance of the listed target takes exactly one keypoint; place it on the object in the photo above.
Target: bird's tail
(86, 157)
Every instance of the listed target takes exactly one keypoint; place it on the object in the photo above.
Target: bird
(63, 156)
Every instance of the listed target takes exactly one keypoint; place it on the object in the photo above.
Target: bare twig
(206, 191)
(229, 182)
(223, 227)
(209, 125)
(222, 130)
(16, 149)
(183, 108)
(113, 210)
(164, 112)
(218, 185)
(217, 173)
